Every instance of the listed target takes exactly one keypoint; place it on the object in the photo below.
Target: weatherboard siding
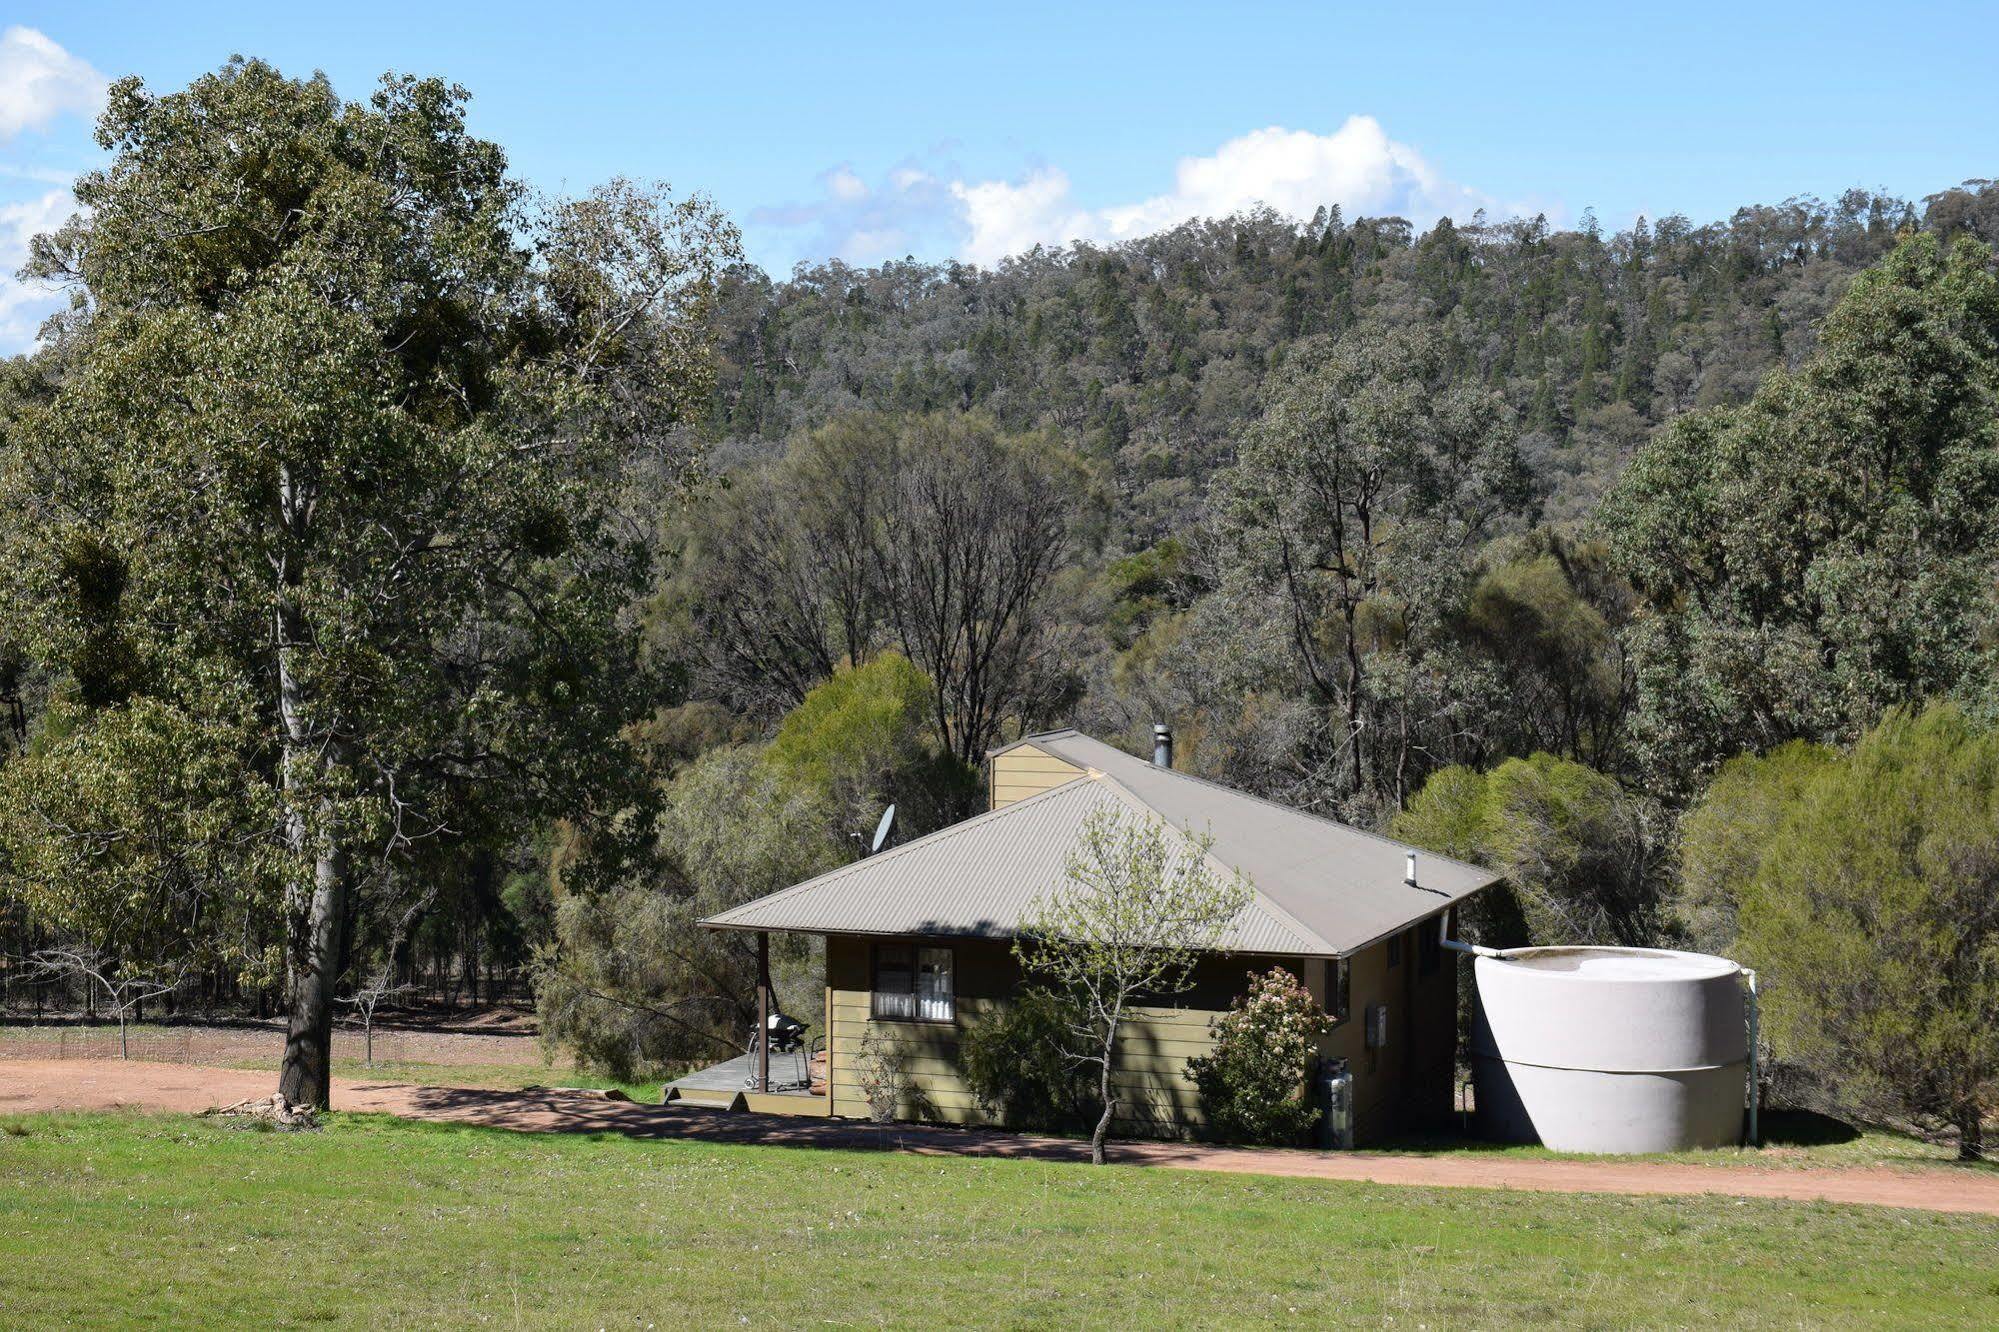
(1154, 1046)
(1024, 771)
(1405, 1085)
(1408, 1083)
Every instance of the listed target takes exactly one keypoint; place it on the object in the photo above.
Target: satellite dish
(883, 829)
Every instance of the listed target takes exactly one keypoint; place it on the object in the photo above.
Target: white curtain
(934, 1002)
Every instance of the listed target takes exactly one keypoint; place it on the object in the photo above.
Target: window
(1429, 948)
(913, 983)
(1339, 989)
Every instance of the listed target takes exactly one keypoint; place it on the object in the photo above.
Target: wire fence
(258, 1046)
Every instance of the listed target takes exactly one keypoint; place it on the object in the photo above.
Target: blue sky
(871, 131)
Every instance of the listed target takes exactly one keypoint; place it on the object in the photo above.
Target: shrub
(1017, 1063)
(884, 1080)
(1253, 1084)
(1873, 914)
(1583, 856)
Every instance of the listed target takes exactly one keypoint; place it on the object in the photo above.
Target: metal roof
(1320, 887)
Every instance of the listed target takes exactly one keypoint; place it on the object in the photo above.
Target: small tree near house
(1140, 905)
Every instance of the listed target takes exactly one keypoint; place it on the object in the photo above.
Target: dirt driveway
(40, 1085)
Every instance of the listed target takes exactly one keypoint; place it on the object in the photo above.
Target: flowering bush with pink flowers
(1253, 1083)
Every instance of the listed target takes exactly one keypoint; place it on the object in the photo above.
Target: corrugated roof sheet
(1321, 888)
(1344, 884)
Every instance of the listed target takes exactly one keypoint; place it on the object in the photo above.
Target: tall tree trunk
(306, 1077)
(316, 908)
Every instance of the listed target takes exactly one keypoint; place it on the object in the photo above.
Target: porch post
(763, 1010)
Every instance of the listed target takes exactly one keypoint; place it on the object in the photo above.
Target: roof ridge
(1300, 932)
(1288, 809)
(1032, 736)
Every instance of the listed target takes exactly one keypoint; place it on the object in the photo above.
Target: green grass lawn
(109, 1220)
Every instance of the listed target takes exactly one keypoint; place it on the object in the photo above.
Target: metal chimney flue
(1162, 746)
(1409, 874)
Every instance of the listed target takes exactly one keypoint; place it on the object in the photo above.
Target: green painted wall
(1397, 1088)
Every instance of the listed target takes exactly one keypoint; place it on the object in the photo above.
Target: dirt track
(40, 1085)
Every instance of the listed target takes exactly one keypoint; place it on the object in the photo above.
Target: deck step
(710, 1097)
(786, 1103)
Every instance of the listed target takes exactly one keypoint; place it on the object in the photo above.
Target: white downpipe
(1458, 945)
(1755, 1058)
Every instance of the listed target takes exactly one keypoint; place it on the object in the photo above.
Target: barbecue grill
(786, 1035)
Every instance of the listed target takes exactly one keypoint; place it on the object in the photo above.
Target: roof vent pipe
(1162, 745)
(1409, 873)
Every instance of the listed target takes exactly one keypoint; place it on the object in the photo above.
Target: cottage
(919, 941)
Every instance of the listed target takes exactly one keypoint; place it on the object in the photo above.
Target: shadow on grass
(1779, 1128)
(1789, 1137)
(1804, 1128)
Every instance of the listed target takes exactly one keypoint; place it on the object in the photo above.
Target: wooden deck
(729, 1085)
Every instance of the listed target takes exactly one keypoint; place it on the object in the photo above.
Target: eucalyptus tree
(974, 527)
(1826, 551)
(1360, 495)
(353, 426)
(938, 534)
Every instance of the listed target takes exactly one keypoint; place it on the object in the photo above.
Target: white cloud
(1357, 167)
(40, 81)
(843, 184)
(925, 205)
(907, 212)
(1006, 218)
(22, 306)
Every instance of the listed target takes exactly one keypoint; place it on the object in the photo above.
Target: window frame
(1429, 947)
(1339, 991)
(914, 948)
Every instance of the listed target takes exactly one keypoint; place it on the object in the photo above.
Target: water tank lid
(1595, 962)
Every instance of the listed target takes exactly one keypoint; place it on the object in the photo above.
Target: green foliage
(1873, 915)
(134, 831)
(1724, 836)
(1253, 1083)
(633, 985)
(1143, 586)
(864, 739)
(1151, 352)
(1016, 1062)
(1547, 612)
(867, 719)
(343, 426)
(1581, 854)
(1826, 551)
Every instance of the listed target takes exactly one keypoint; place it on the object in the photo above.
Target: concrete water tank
(1620, 1050)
